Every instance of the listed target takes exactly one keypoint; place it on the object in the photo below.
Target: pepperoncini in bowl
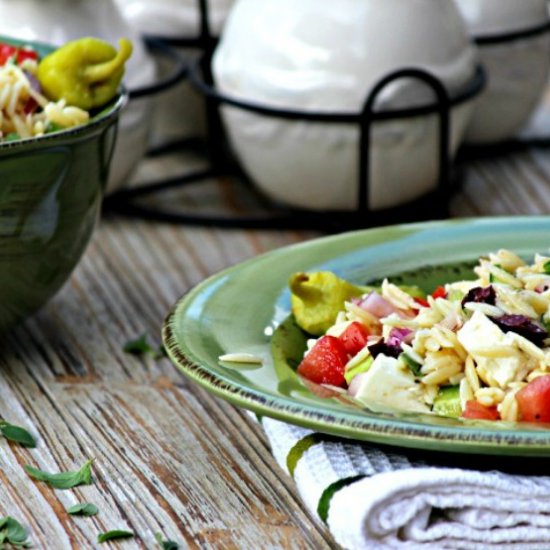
(85, 73)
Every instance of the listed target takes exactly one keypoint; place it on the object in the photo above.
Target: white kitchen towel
(371, 498)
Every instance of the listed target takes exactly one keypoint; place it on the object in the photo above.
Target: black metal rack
(430, 205)
(178, 73)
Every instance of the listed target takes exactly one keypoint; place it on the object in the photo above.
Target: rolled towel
(374, 498)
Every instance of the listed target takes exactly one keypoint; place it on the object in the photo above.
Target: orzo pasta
(477, 349)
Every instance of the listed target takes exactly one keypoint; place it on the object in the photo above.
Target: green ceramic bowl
(50, 194)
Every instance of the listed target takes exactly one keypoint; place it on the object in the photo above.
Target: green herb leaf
(12, 532)
(115, 534)
(15, 532)
(166, 544)
(412, 364)
(17, 434)
(141, 346)
(54, 127)
(63, 480)
(83, 509)
(546, 267)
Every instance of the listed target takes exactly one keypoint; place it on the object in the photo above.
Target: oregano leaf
(83, 509)
(17, 434)
(141, 346)
(12, 532)
(166, 544)
(15, 532)
(113, 535)
(63, 480)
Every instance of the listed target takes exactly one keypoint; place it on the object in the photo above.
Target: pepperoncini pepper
(85, 72)
(318, 297)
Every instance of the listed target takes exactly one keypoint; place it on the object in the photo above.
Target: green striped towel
(371, 498)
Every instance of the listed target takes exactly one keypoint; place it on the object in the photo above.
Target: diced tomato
(325, 362)
(439, 292)
(26, 53)
(534, 400)
(354, 338)
(422, 302)
(474, 409)
(8, 51)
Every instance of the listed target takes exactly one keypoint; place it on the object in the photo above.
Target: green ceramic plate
(244, 308)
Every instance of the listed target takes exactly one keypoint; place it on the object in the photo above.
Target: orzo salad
(472, 348)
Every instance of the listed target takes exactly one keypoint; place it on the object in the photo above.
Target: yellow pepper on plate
(318, 297)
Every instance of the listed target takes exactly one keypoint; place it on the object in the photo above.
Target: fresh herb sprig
(141, 346)
(83, 509)
(17, 434)
(113, 535)
(63, 480)
(166, 544)
(12, 532)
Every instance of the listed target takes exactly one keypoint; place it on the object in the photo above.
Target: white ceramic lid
(485, 17)
(328, 55)
(174, 18)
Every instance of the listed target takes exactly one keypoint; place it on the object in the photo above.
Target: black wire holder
(512, 36)
(178, 74)
(431, 205)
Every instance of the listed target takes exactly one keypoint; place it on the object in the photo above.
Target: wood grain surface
(168, 456)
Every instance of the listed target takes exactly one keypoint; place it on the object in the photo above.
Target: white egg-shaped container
(327, 57)
(59, 21)
(180, 111)
(517, 70)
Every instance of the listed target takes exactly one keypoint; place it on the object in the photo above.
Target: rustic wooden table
(168, 456)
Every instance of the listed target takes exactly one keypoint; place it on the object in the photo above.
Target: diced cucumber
(456, 295)
(412, 364)
(363, 366)
(447, 402)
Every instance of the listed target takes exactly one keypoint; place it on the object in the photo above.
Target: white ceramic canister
(180, 111)
(59, 21)
(327, 56)
(517, 70)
